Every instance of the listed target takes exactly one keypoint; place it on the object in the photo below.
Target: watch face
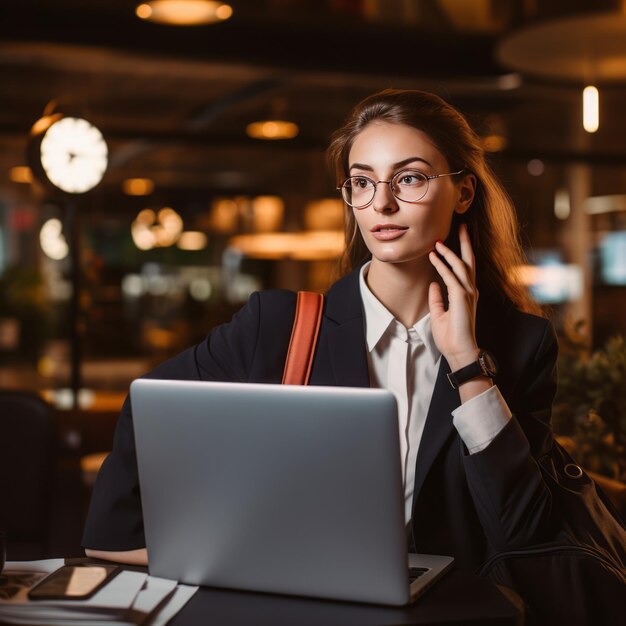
(74, 155)
(490, 367)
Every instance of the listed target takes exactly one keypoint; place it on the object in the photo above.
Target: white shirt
(406, 361)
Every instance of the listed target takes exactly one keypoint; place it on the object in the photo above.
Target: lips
(387, 227)
(387, 232)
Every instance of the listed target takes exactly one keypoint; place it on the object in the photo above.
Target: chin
(387, 256)
(399, 259)
(398, 254)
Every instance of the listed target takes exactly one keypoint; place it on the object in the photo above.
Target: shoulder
(260, 305)
(526, 348)
(525, 345)
(528, 328)
(252, 340)
(501, 323)
(274, 299)
(268, 307)
(274, 307)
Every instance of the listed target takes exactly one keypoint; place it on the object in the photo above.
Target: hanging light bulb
(591, 109)
(276, 125)
(184, 12)
(272, 129)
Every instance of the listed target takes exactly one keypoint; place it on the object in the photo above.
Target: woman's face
(393, 230)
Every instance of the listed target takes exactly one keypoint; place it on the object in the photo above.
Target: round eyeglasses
(407, 185)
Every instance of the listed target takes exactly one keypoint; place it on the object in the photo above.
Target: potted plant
(589, 413)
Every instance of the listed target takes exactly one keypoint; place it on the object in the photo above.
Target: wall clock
(71, 153)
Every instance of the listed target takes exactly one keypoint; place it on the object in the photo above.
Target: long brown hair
(491, 220)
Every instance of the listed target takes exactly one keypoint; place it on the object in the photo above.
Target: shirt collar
(379, 321)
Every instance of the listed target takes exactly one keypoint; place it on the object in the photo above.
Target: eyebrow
(369, 168)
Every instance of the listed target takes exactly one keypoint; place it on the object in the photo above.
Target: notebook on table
(276, 488)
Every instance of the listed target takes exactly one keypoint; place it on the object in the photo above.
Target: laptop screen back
(274, 488)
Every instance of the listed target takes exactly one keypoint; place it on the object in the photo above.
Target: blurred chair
(27, 443)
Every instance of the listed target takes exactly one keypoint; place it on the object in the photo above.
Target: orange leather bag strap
(306, 326)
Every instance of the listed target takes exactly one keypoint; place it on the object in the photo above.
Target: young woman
(428, 226)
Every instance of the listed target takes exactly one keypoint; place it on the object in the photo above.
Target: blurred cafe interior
(207, 124)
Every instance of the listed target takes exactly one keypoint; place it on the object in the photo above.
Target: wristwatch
(486, 365)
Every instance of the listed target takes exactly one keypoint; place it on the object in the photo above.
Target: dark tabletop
(458, 598)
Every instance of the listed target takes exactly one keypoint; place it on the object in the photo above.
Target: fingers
(456, 272)
(454, 326)
(467, 252)
(436, 304)
(449, 277)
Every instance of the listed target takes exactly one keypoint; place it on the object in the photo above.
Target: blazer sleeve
(114, 520)
(513, 502)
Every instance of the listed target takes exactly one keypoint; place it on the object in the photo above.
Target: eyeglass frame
(390, 183)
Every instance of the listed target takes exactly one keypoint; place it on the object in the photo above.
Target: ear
(466, 190)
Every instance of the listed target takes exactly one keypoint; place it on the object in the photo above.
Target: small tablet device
(73, 582)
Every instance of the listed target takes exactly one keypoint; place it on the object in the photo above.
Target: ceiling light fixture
(192, 240)
(303, 246)
(272, 129)
(184, 12)
(591, 109)
(138, 186)
(494, 143)
(21, 174)
(591, 49)
(597, 205)
(156, 230)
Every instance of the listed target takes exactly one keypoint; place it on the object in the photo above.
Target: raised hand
(454, 328)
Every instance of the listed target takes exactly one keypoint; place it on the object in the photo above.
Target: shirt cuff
(480, 419)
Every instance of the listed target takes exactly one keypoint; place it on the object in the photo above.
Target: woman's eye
(411, 179)
(360, 183)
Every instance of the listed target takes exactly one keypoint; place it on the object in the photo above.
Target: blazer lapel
(438, 425)
(348, 354)
(342, 352)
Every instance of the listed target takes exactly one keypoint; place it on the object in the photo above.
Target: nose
(384, 201)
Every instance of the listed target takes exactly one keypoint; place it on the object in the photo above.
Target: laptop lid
(275, 488)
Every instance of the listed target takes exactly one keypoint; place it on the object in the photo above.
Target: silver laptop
(276, 488)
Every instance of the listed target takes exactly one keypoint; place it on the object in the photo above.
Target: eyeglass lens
(407, 185)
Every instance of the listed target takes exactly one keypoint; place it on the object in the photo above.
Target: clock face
(74, 155)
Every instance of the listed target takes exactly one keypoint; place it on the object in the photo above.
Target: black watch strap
(485, 365)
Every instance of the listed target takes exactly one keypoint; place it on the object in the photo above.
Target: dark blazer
(464, 505)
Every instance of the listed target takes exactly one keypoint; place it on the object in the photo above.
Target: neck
(402, 287)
